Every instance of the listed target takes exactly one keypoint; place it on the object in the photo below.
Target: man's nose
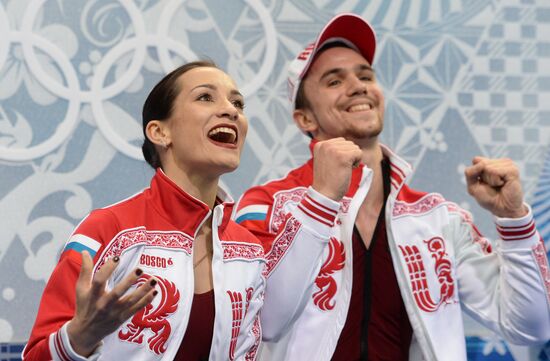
(357, 87)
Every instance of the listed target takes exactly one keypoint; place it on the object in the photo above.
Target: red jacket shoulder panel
(409, 195)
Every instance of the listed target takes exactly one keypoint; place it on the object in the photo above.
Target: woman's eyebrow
(213, 87)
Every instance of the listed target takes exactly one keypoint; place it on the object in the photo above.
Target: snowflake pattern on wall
(461, 78)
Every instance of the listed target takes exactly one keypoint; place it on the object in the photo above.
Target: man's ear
(305, 120)
(158, 133)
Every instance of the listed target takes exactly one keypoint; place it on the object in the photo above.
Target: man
(401, 265)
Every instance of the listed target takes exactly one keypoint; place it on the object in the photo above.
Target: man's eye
(334, 82)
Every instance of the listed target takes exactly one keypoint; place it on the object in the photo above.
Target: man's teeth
(359, 108)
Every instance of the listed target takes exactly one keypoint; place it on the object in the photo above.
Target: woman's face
(207, 128)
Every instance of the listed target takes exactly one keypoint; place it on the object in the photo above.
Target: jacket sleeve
(293, 252)
(506, 289)
(49, 339)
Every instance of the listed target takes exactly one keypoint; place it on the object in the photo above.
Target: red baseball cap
(348, 28)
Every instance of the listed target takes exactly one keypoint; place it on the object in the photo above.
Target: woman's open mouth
(224, 134)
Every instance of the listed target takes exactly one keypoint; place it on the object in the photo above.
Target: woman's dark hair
(160, 103)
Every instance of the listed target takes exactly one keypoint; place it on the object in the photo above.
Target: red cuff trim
(60, 347)
(319, 205)
(517, 233)
(317, 211)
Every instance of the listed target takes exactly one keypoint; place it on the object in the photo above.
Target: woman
(164, 274)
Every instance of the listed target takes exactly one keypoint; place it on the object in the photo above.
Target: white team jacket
(155, 230)
(443, 267)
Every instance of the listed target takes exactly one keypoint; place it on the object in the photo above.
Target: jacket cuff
(317, 212)
(518, 229)
(61, 349)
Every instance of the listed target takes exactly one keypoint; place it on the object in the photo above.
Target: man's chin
(365, 133)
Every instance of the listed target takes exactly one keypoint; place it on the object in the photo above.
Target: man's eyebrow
(332, 71)
(213, 87)
(365, 67)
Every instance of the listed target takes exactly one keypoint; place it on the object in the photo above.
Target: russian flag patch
(79, 243)
(254, 212)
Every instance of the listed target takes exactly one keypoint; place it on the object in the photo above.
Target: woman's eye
(205, 97)
(238, 104)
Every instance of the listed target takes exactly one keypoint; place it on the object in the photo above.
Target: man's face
(345, 99)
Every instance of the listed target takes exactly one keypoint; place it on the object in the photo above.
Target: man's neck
(372, 155)
(373, 203)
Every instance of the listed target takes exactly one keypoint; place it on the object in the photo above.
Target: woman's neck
(197, 185)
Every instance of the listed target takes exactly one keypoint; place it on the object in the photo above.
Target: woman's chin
(221, 168)
(231, 167)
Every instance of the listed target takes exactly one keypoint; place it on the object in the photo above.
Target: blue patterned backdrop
(462, 77)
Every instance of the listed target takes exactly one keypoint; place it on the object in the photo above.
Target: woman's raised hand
(98, 312)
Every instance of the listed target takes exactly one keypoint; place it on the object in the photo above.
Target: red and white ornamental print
(153, 318)
(466, 217)
(324, 297)
(240, 250)
(239, 310)
(257, 331)
(542, 261)
(419, 279)
(281, 244)
(423, 205)
(131, 237)
(282, 200)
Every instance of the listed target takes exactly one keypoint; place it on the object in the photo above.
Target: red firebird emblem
(419, 280)
(324, 281)
(153, 318)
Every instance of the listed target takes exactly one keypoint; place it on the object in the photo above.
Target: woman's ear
(158, 133)
(305, 120)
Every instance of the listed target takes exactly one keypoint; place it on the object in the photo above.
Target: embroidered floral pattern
(232, 250)
(281, 202)
(281, 244)
(539, 252)
(423, 205)
(129, 238)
